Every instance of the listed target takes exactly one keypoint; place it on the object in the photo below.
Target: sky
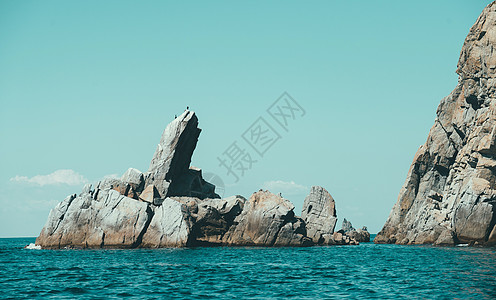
(86, 89)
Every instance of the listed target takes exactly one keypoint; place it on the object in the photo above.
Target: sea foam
(33, 246)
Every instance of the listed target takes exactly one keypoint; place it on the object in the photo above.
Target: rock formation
(172, 206)
(449, 195)
(170, 170)
(319, 213)
(359, 235)
(268, 219)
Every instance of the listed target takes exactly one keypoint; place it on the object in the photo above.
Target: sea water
(356, 272)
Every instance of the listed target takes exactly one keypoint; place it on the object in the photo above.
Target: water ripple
(367, 271)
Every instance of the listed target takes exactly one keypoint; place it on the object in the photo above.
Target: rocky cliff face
(449, 195)
(172, 206)
(319, 213)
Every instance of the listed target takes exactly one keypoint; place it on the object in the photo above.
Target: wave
(33, 246)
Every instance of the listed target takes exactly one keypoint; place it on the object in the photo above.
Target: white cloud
(113, 176)
(68, 177)
(286, 187)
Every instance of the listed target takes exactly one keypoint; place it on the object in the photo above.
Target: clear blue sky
(89, 86)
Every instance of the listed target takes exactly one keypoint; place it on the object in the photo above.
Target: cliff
(449, 195)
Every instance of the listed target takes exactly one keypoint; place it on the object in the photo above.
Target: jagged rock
(170, 170)
(346, 226)
(47, 238)
(264, 217)
(360, 235)
(451, 185)
(87, 189)
(172, 206)
(319, 214)
(170, 226)
(135, 179)
(112, 220)
(339, 238)
(229, 207)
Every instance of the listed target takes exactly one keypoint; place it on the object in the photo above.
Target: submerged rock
(449, 195)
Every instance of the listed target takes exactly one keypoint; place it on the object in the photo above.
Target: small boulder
(150, 195)
(360, 235)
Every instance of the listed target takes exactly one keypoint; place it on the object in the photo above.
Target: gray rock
(339, 238)
(172, 206)
(47, 238)
(319, 214)
(450, 188)
(472, 222)
(446, 238)
(170, 226)
(264, 217)
(347, 226)
(359, 235)
(87, 189)
(170, 170)
(83, 222)
(150, 195)
(135, 179)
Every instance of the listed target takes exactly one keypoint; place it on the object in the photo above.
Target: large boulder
(449, 195)
(109, 220)
(267, 220)
(319, 214)
(170, 226)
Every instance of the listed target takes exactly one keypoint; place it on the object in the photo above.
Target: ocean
(367, 271)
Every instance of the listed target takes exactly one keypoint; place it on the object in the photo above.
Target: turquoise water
(364, 271)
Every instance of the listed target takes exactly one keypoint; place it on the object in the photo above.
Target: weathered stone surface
(446, 238)
(214, 217)
(451, 184)
(319, 214)
(150, 195)
(112, 220)
(339, 238)
(170, 226)
(360, 235)
(170, 170)
(262, 220)
(172, 206)
(135, 179)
